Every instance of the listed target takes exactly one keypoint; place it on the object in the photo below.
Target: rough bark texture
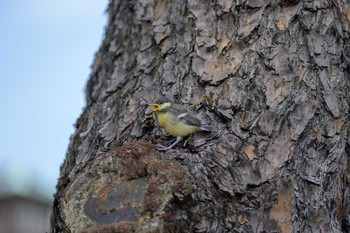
(276, 79)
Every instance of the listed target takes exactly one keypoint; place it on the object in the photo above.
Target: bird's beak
(155, 107)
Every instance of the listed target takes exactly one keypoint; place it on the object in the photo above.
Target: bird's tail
(207, 128)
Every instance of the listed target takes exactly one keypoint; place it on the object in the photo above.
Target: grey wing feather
(185, 115)
(192, 120)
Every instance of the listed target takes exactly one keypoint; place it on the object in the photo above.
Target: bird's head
(160, 104)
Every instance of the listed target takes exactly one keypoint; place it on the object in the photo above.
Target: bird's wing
(185, 115)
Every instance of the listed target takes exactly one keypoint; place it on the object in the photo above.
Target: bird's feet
(162, 148)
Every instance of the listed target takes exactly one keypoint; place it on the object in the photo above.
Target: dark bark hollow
(276, 79)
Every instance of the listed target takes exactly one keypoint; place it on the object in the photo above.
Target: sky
(47, 48)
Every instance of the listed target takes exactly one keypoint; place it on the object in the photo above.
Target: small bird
(176, 120)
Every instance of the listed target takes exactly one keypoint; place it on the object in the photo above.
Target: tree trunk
(271, 77)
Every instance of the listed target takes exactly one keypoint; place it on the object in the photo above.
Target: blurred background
(46, 50)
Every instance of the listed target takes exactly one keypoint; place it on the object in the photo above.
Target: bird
(177, 120)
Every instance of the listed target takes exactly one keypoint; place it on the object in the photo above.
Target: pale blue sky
(46, 51)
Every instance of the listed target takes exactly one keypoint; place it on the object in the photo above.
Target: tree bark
(271, 77)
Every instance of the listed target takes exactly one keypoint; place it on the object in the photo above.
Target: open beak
(155, 107)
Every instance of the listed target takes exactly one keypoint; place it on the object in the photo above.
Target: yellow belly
(176, 127)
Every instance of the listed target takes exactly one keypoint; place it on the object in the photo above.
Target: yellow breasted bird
(176, 120)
